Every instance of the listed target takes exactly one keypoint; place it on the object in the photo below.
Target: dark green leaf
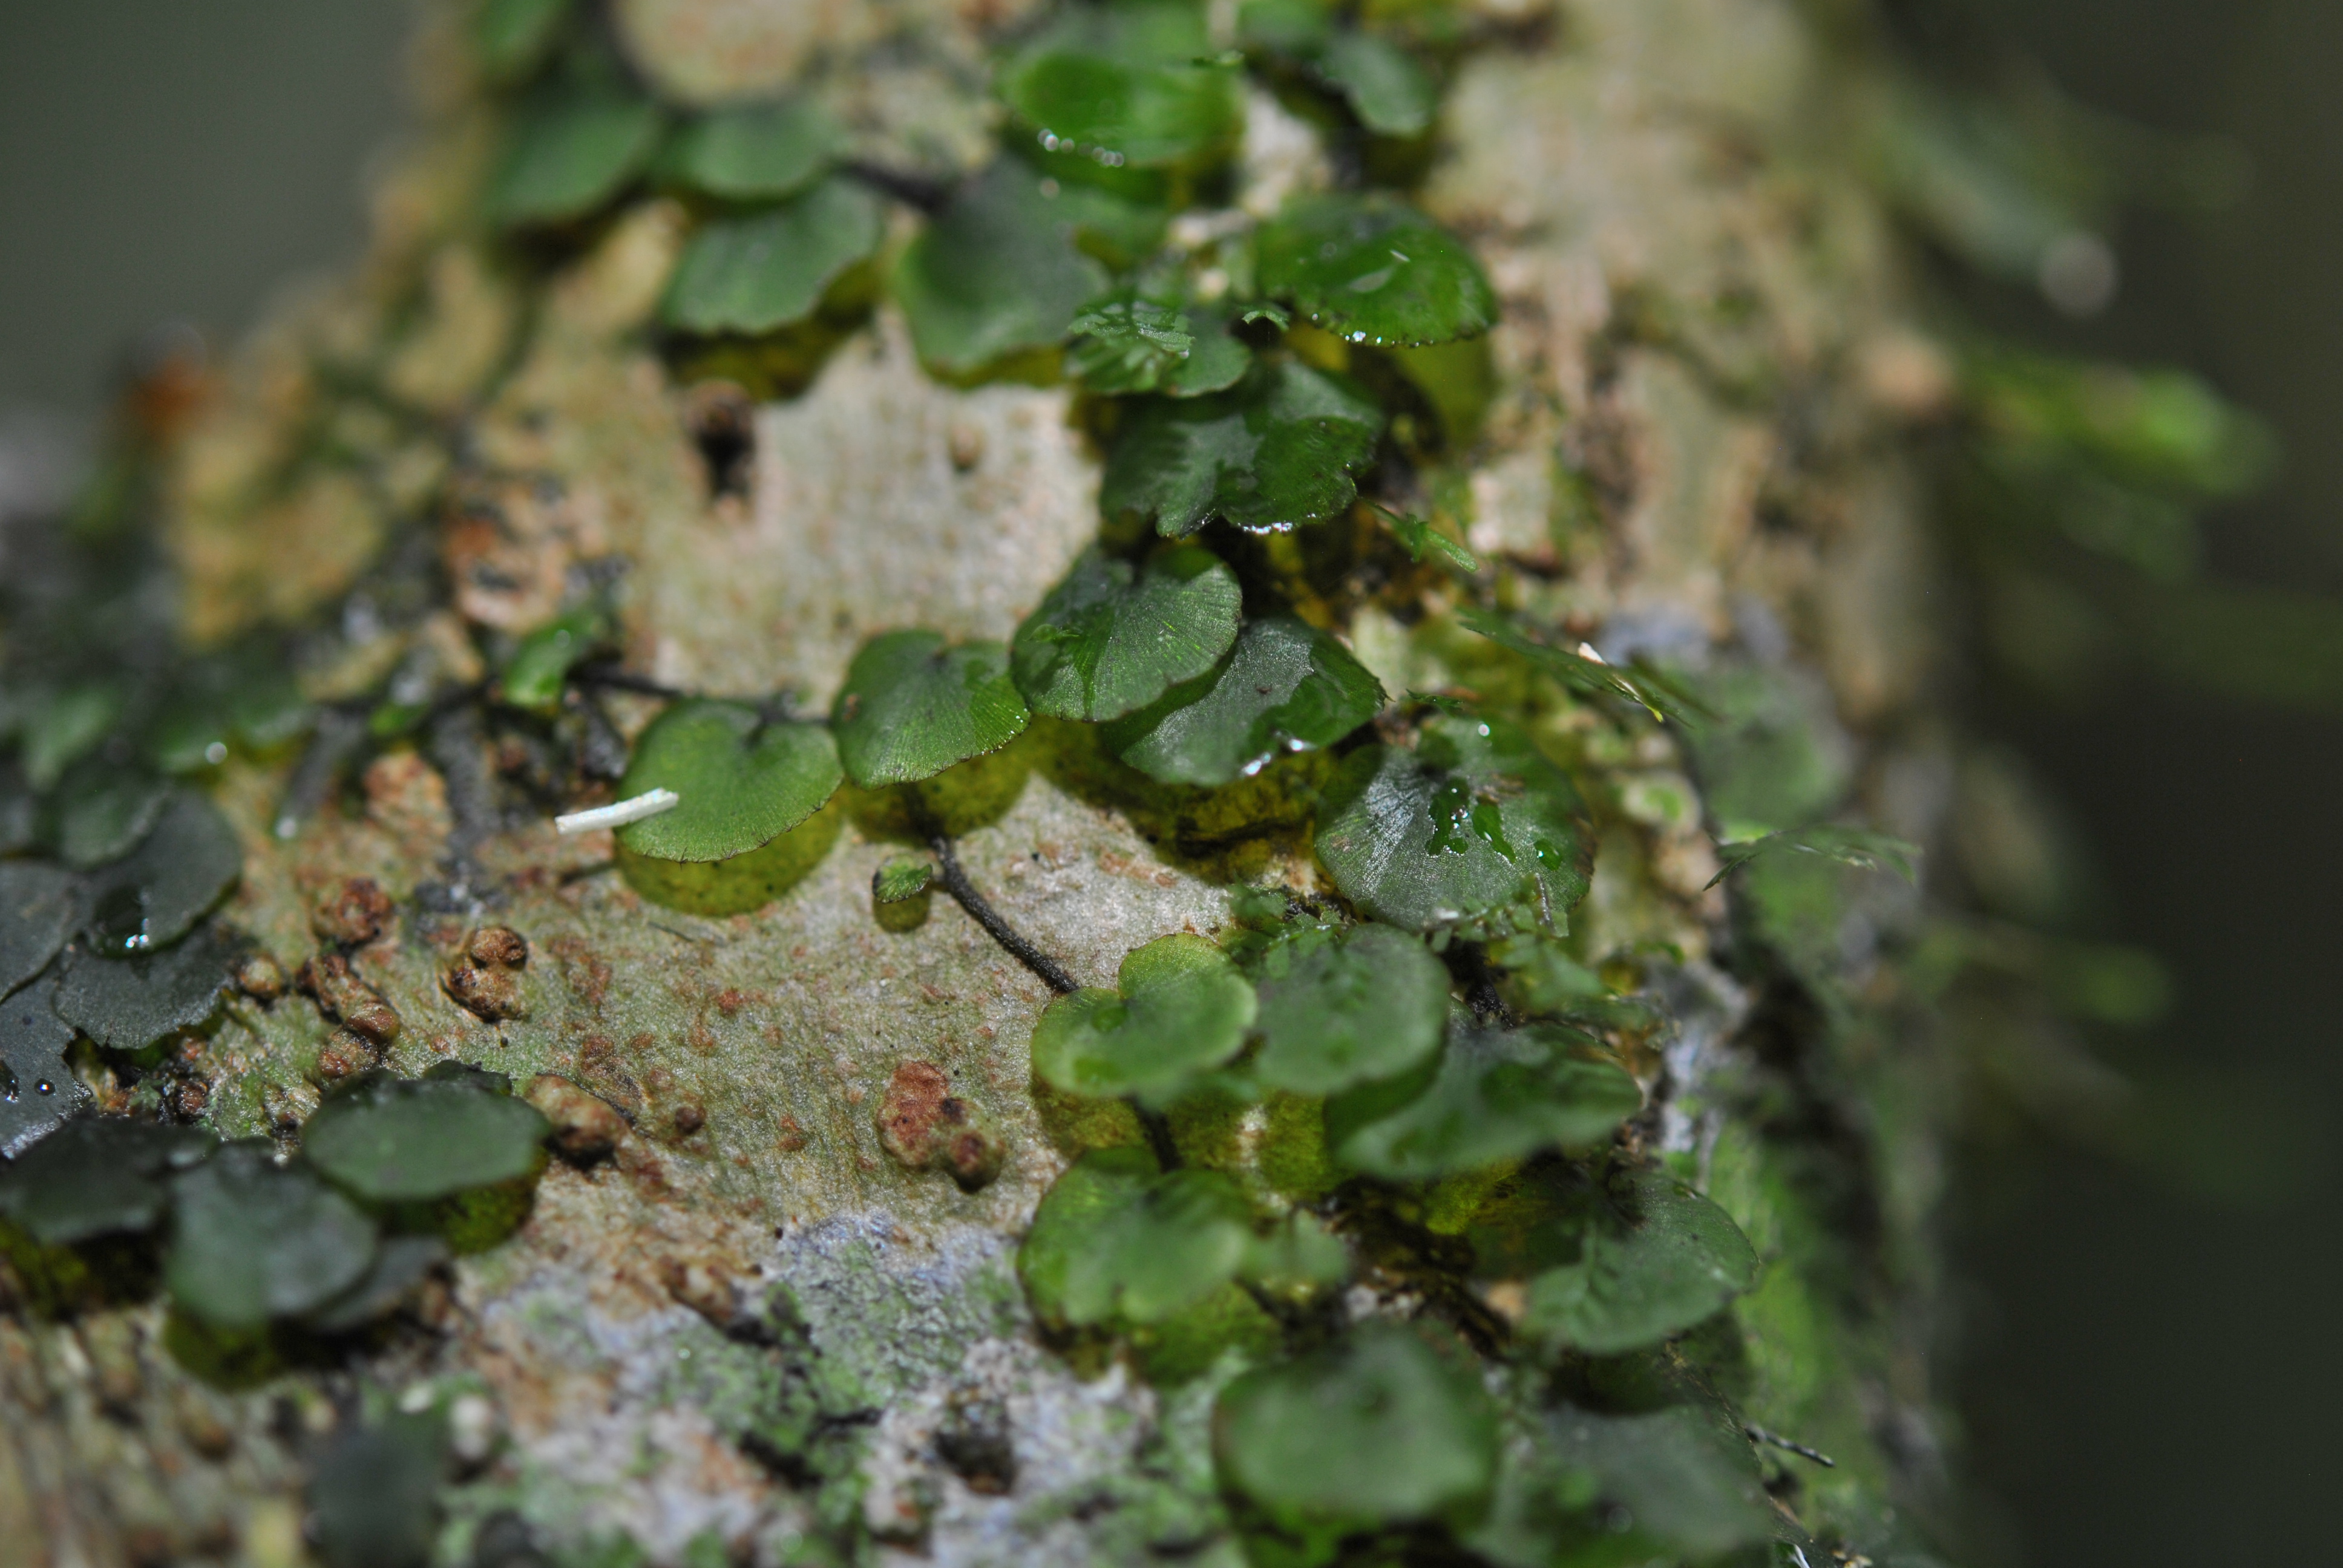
(1117, 1240)
(60, 731)
(994, 274)
(754, 152)
(102, 823)
(1471, 824)
(373, 1496)
(1668, 1261)
(1296, 29)
(1182, 1009)
(570, 155)
(1419, 535)
(1657, 694)
(396, 1140)
(36, 1090)
(900, 879)
(539, 668)
(1279, 449)
(98, 1176)
(1297, 1256)
(1373, 1429)
(1775, 756)
(39, 905)
(1861, 846)
(742, 781)
(1612, 1489)
(1392, 95)
(1125, 343)
(1372, 1005)
(128, 1004)
(1125, 85)
(1107, 640)
(512, 35)
(755, 273)
(400, 1264)
(912, 705)
(1493, 1096)
(1286, 687)
(1373, 269)
(154, 896)
(252, 1241)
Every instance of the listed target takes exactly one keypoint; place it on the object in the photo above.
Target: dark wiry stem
(964, 893)
(1157, 1127)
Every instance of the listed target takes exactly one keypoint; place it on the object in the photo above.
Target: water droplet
(119, 926)
(7, 1083)
(42, 1086)
(215, 753)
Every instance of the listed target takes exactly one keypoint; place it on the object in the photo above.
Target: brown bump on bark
(345, 1054)
(689, 1117)
(187, 1097)
(260, 976)
(598, 1066)
(340, 995)
(501, 945)
(730, 1001)
(585, 1128)
(704, 1285)
(110, 1340)
(966, 445)
(923, 1126)
(791, 1137)
(487, 980)
(587, 973)
(405, 798)
(352, 913)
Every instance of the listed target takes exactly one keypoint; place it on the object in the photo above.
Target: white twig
(618, 813)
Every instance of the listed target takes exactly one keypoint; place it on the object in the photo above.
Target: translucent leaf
(763, 270)
(39, 905)
(1373, 1429)
(538, 671)
(741, 780)
(1373, 269)
(995, 273)
(99, 1176)
(1371, 1005)
(511, 36)
(912, 705)
(1180, 1010)
(1659, 694)
(1861, 846)
(1419, 535)
(902, 879)
(1107, 639)
(1470, 825)
(570, 155)
(400, 1264)
(37, 1092)
(397, 1141)
(60, 731)
(1125, 85)
(1392, 94)
(2164, 431)
(1667, 1260)
(1279, 449)
(1671, 1483)
(754, 152)
(128, 1003)
(252, 1241)
(1298, 1255)
(1124, 344)
(102, 823)
(1492, 1096)
(1116, 1239)
(1285, 687)
(179, 871)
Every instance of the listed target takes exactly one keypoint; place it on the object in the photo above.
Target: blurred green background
(2147, 1368)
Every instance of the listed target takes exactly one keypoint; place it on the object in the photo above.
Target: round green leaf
(102, 823)
(399, 1264)
(1491, 1097)
(128, 1004)
(900, 879)
(99, 1176)
(1124, 344)
(1286, 687)
(1373, 269)
(912, 705)
(1672, 1261)
(1374, 1428)
(1127, 84)
(60, 731)
(155, 895)
(1180, 1010)
(742, 782)
(995, 273)
(1116, 1240)
(39, 905)
(396, 1140)
(252, 1241)
(1392, 95)
(1370, 1005)
(1107, 640)
(756, 273)
(538, 671)
(570, 155)
(37, 1092)
(1472, 824)
(1279, 449)
(754, 152)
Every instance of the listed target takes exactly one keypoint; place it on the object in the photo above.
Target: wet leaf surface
(1472, 824)
(99, 1176)
(1128, 84)
(39, 906)
(995, 273)
(252, 1241)
(902, 879)
(178, 874)
(759, 271)
(1117, 1240)
(913, 705)
(1375, 1429)
(37, 1093)
(1864, 848)
(1658, 694)
(1107, 639)
(398, 1140)
(754, 152)
(1285, 687)
(1636, 1267)
(570, 155)
(741, 781)
(128, 1003)
(1373, 269)
(1492, 1096)
(1371, 1005)
(1179, 1010)
(1126, 344)
(1279, 449)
